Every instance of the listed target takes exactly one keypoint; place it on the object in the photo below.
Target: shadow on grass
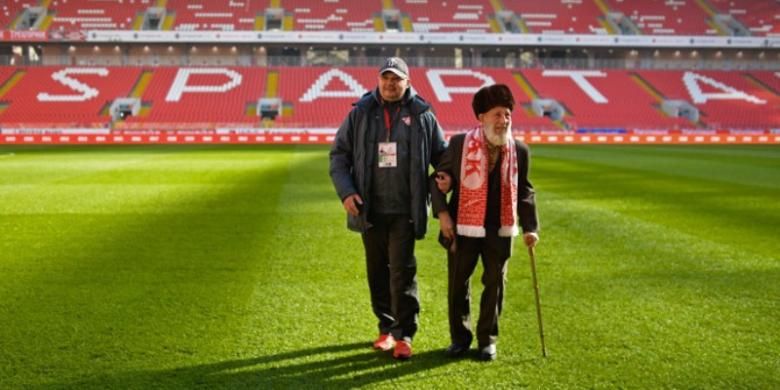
(331, 366)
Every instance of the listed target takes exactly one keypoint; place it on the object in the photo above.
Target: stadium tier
(603, 99)
(447, 16)
(559, 16)
(314, 97)
(63, 96)
(761, 17)
(201, 95)
(10, 10)
(727, 99)
(649, 17)
(69, 15)
(343, 15)
(201, 15)
(665, 17)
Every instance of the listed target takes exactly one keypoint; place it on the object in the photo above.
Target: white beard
(495, 138)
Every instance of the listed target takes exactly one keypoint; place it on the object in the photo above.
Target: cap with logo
(395, 65)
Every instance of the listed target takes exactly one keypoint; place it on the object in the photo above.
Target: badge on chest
(388, 155)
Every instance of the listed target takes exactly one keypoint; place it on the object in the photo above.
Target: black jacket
(351, 160)
(451, 163)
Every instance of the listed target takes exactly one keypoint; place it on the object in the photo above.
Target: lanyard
(389, 121)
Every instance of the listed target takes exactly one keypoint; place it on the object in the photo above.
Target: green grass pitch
(231, 267)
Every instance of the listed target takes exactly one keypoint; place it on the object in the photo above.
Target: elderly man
(379, 164)
(487, 169)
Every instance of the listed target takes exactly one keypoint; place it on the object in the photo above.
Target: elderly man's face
(392, 86)
(497, 124)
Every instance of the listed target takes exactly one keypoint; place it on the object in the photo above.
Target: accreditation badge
(388, 156)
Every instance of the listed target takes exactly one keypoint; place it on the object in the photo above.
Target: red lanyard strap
(389, 121)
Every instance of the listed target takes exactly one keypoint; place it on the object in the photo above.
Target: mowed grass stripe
(637, 274)
(310, 263)
(312, 323)
(746, 165)
(734, 210)
(133, 289)
(620, 293)
(639, 288)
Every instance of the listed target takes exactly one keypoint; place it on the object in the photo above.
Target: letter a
(692, 80)
(317, 90)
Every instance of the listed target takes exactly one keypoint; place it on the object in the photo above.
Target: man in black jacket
(379, 166)
(487, 169)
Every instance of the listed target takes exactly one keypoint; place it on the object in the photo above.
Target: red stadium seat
(658, 17)
(558, 16)
(73, 97)
(328, 15)
(728, 99)
(188, 95)
(70, 15)
(761, 17)
(320, 97)
(664, 17)
(601, 98)
(10, 9)
(448, 16)
(216, 15)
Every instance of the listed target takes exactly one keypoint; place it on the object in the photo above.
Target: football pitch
(231, 267)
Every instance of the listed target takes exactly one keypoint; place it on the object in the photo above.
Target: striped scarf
(474, 172)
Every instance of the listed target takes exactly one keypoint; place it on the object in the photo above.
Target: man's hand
(353, 204)
(530, 239)
(443, 182)
(447, 228)
(446, 225)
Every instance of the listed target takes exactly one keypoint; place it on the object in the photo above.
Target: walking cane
(536, 294)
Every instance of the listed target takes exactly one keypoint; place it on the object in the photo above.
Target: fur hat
(487, 98)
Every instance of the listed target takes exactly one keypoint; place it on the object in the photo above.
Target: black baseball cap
(395, 65)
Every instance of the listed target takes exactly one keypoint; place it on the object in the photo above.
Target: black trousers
(392, 274)
(495, 252)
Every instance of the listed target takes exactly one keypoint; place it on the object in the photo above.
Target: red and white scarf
(474, 172)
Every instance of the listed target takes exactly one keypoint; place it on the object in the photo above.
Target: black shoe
(488, 352)
(456, 350)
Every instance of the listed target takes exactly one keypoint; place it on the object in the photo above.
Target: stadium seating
(447, 16)
(770, 79)
(69, 97)
(10, 9)
(333, 15)
(320, 97)
(5, 74)
(70, 15)
(616, 99)
(450, 92)
(657, 17)
(216, 15)
(558, 16)
(725, 99)
(666, 17)
(221, 96)
(761, 17)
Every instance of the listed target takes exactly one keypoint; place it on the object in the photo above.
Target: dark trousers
(392, 274)
(495, 252)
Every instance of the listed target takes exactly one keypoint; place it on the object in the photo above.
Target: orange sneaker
(385, 342)
(403, 350)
